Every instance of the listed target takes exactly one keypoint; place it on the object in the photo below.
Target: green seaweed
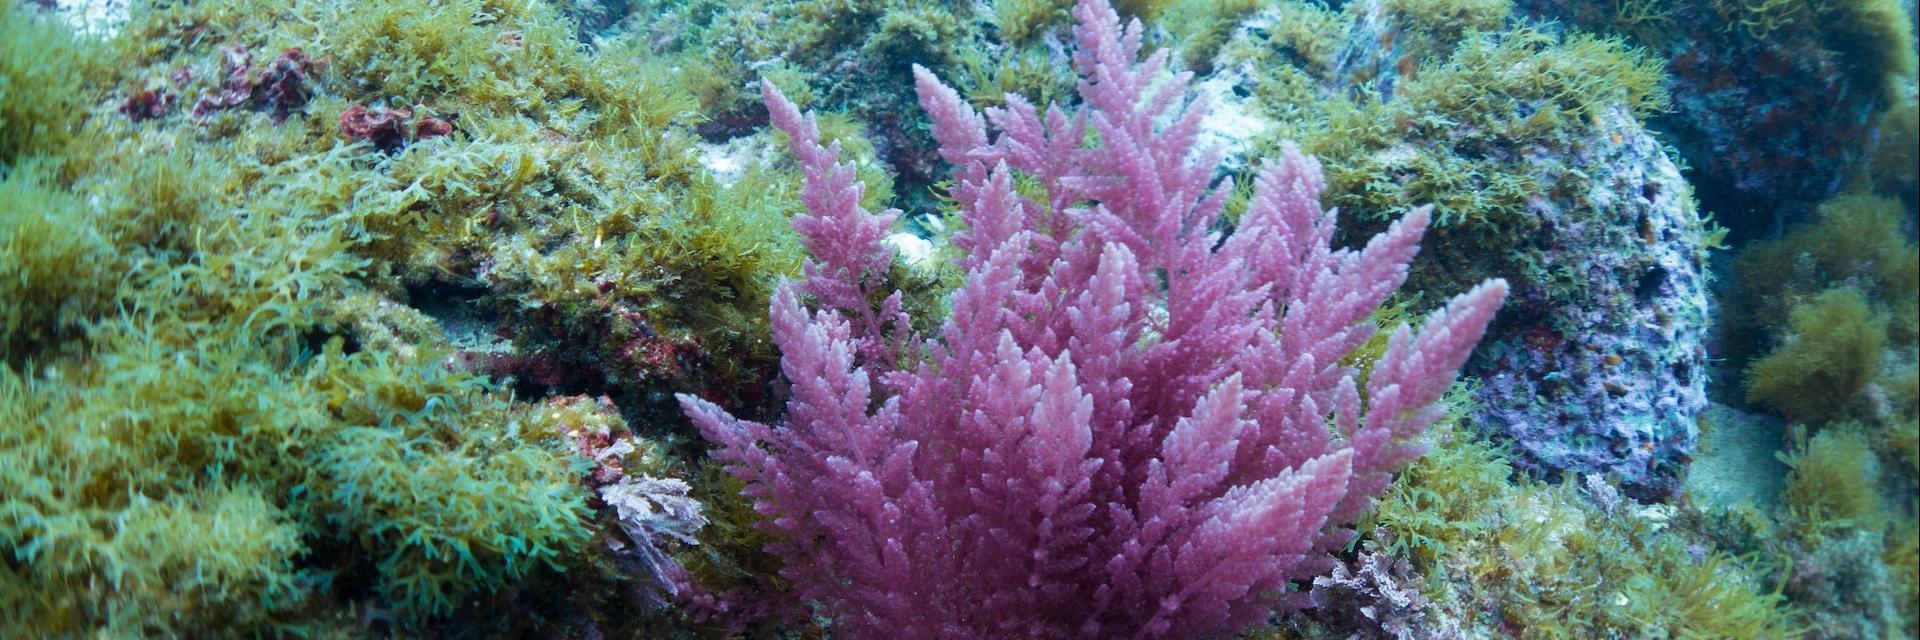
(1832, 351)
(1021, 22)
(237, 401)
(1875, 39)
(1825, 311)
(40, 104)
(1834, 481)
(1478, 128)
(53, 263)
(1506, 555)
(1201, 27)
(1897, 152)
(1432, 27)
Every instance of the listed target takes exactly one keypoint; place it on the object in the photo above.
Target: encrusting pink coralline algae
(1132, 425)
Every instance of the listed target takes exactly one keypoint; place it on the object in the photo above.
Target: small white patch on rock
(1231, 126)
(730, 160)
(723, 160)
(98, 18)
(916, 251)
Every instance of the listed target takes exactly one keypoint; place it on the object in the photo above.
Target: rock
(1597, 364)
(1763, 117)
(1609, 374)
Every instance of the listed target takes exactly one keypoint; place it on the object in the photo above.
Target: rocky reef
(342, 319)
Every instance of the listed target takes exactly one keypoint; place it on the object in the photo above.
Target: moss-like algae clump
(39, 102)
(239, 399)
(1501, 555)
(1826, 312)
(1834, 350)
(1477, 119)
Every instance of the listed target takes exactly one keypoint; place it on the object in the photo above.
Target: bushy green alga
(265, 373)
(1482, 118)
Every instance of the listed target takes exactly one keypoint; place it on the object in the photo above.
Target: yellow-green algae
(224, 417)
(1823, 325)
(1484, 112)
(1829, 309)
(1504, 555)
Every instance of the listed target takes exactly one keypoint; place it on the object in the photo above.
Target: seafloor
(991, 319)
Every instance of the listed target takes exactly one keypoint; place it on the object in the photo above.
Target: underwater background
(431, 318)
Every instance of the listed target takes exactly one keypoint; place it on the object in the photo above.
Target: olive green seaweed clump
(1502, 555)
(849, 56)
(568, 197)
(1440, 23)
(39, 102)
(263, 374)
(207, 455)
(1833, 351)
(1825, 322)
(1897, 153)
(1834, 478)
(52, 275)
(1479, 123)
(1874, 37)
(1872, 41)
(1856, 569)
(1020, 59)
(1834, 300)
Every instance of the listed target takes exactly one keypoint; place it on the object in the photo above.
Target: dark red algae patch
(282, 89)
(147, 104)
(390, 129)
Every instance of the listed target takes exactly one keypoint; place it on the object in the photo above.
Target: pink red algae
(147, 104)
(282, 89)
(388, 129)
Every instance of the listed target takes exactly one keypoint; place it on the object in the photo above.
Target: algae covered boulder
(1774, 102)
(1531, 145)
(1609, 372)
